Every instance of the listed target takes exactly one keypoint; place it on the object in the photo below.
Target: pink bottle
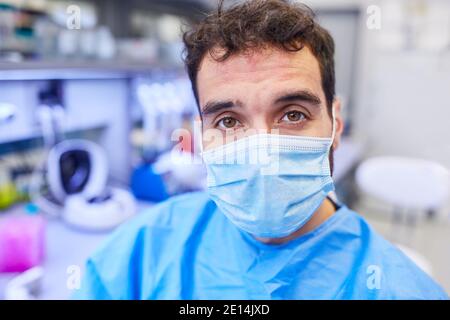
(22, 242)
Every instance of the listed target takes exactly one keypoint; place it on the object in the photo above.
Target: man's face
(263, 91)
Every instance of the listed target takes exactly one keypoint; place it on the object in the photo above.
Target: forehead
(270, 67)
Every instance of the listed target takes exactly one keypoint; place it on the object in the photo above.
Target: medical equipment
(148, 185)
(8, 192)
(51, 113)
(182, 171)
(76, 173)
(76, 167)
(22, 242)
(172, 173)
(165, 106)
(25, 286)
(102, 212)
(7, 112)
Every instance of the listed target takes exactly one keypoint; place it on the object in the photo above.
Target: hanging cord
(51, 120)
(37, 181)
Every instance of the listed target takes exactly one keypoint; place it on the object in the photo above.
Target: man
(263, 76)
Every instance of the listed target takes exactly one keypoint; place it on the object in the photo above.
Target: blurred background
(94, 98)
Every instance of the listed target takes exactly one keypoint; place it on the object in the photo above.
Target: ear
(339, 122)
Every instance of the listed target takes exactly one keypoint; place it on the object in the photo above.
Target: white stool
(410, 185)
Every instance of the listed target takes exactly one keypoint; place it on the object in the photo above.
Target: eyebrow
(212, 107)
(300, 95)
(216, 106)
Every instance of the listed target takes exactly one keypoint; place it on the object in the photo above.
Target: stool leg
(411, 227)
(431, 214)
(396, 223)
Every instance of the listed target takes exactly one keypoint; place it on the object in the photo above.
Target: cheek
(324, 125)
(212, 138)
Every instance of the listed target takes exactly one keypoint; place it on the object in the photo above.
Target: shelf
(111, 69)
(36, 133)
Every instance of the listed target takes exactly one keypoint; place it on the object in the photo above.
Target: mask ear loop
(333, 134)
(200, 143)
(332, 195)
(198, 137)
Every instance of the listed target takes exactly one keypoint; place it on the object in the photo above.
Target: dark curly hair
(256, 24)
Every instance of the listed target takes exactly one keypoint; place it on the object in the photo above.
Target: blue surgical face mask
(270, 185)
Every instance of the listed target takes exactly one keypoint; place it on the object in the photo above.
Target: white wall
(403, 105)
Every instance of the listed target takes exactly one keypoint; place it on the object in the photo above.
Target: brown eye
(227, 123)
(293, 116)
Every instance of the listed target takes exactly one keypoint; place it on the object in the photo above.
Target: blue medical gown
(185, 248)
